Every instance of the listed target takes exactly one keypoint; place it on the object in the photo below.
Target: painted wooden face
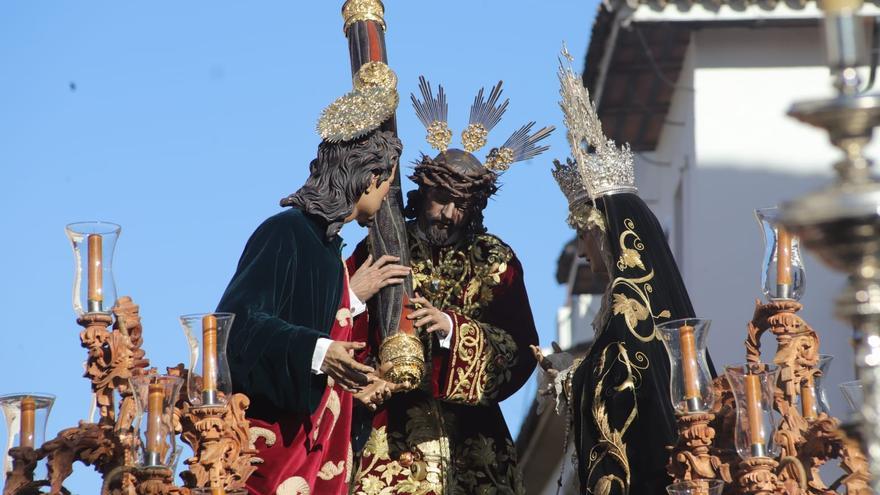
(371, 200)
(444, 217)
(588, 247)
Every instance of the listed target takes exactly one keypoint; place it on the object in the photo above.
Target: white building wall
(575, 319)
(727, 148)
(749, 154)
(660, 174)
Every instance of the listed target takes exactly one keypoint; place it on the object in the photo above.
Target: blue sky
(186, 122)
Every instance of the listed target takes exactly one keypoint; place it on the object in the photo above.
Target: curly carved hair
(462, 176)
(341, 173)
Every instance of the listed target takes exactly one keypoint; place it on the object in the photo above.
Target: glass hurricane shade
(853, 393)
(209, 382)
(696, 487)
(753, 386)
(26, 415)
(811, 399)
(94, 290)
(782, 268)
(690, 383)
(156, 396)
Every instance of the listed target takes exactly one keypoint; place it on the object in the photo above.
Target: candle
(783, 263)
(155, 398)
(96, 281)
(689, 367)
(209, 359)
(28, 420)
(756, 415)
(808, 399)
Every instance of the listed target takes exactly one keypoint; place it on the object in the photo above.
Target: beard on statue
(454, 188)
(442, 219)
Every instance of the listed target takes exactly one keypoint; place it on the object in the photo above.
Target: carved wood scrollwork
(692, 458)
(220, 440)
(225, 457)
(805, 444)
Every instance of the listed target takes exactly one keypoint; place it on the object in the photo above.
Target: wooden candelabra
(223, 455)
(706, 450)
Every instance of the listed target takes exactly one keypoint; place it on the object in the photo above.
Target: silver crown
(569, 179)
(604, 167)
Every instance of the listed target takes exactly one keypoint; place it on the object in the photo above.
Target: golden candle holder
(156, 481)
(21, 479)
(692, 457)
(224, 456)
(705, 449)
(757, 477)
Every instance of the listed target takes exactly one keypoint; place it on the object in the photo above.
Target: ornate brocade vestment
(449, 436)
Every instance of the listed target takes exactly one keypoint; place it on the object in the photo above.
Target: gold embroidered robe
(621, 409)
(449, 436)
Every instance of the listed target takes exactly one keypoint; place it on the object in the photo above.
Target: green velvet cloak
(285, 294)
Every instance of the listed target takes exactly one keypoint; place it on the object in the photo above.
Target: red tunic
(309, 454)
(449, 436)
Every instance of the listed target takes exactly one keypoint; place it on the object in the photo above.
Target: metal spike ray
(523, 145)
(430, 109)
(485, 113)
(432, 112)
(488, 113)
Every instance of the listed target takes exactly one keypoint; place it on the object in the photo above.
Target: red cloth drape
(309, 454)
